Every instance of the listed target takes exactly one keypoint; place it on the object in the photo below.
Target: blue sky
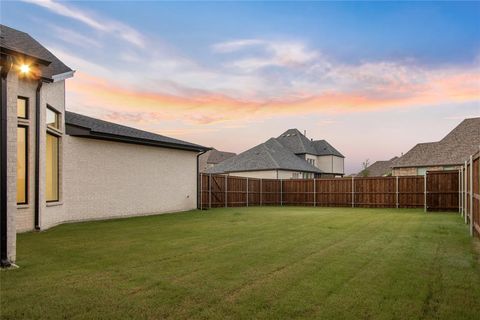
(214, 72)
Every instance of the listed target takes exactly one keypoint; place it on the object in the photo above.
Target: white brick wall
(12, 84)
(105, 179)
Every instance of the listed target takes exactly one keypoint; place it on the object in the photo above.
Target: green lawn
(275, 263)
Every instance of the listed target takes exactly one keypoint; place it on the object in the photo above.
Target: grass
(272, 263)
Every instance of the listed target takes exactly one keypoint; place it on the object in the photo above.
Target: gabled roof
(82, 126)
(214, 156)
(379, 168)
(324, 148)
(295, 141)
(270, 155)
(453, 149)
(21, 43)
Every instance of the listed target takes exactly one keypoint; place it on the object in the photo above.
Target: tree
(365, 165)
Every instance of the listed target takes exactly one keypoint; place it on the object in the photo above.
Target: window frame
(58, 136)
(26, 127)
(58, 120)
(27, 107)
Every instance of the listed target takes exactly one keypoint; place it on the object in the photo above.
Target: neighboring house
(213, 157)
(58, 166)
(290, 156)
(378, 169)
(447, 154)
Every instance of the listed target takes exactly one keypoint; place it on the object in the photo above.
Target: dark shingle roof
(84, 126)
(24, 44)
(215, 156)
(295, 141)
(454, 149)
(270, 155)
(379, 168)
(324, 148)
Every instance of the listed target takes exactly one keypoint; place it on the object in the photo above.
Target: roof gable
(295, 141)
(24, 44)
(323, 148)
(215, 156)
(379, 168)
(298, 143)
(453, 149)
(270, 155)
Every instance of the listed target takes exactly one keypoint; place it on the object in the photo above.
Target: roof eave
(63, 76)
(79, 131)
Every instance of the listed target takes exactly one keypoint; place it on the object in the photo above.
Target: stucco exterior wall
(331, 164)
(105, 179)
(338, 164)
(267, 174)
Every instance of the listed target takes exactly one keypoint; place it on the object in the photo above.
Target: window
(22, 158)
(52, 119)
(22, 108)
(52, 190)
(22, 150)
(311, 161)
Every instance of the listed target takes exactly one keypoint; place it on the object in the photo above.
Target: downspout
(198, 177)
(4, 261)
(37, 155)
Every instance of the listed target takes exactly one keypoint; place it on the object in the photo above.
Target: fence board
(368, 192)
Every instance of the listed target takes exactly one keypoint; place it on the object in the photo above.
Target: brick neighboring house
(378, 169)
(213, 157)
(58, 166)
(289, 156)
(447, 154)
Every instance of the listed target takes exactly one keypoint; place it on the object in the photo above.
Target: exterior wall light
(24, 68)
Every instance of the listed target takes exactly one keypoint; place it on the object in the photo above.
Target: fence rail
(435, 191)
(469, 176)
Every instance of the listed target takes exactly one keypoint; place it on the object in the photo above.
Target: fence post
(314, 192)
(466, 193)
(247, 192)
(353, 192)
(261, 194)
(210, 191)
(471, 195)
(425, 192)
(226, 192)
(201, 191)
(396, 191)
(281, 192)
(460, 191)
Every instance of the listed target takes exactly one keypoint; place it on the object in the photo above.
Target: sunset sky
(373, 79)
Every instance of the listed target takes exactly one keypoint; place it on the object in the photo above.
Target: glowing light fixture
(24, 68)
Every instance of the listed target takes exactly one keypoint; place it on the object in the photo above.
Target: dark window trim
(58, 113)
(27, 107)
(26, 163)
(58, 168)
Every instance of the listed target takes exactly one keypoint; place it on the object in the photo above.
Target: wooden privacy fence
(435, 191)
(469, 189)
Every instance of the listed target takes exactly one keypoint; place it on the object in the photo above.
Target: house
(447, 154)
(58, 166)
(378, 169)
(213, 157)
(290, 156)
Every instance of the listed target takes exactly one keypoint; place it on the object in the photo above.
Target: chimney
(305, 133)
